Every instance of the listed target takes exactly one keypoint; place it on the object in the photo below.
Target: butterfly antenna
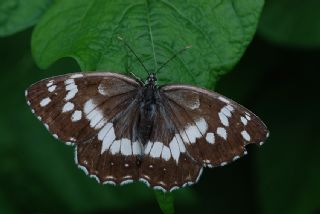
(174, 56)
(128, 46)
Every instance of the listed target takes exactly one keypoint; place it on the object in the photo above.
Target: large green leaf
(218, 31)
(291, 22)
(17, 15)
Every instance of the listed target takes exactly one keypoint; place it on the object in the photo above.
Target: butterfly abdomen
(147, 113)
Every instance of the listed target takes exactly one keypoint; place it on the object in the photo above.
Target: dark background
(277, 81)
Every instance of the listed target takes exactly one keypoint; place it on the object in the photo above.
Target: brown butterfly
(125, 130)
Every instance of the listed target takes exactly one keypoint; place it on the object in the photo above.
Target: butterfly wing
(112, 155)
(214, 129)
(98, 113)
(74, 107)
(166, 165)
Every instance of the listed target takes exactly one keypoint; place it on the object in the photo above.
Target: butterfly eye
(152, 78)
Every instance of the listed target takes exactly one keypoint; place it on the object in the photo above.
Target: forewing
(214, 129)
(74, 107)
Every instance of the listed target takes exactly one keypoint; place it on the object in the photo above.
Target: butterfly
(126, 130)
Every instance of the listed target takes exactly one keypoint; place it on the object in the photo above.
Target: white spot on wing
(126, 148)
(46, 125)
(230, 108)
(223, 99)
(136, 148)
(71, 94)
(84, 169)
(76, 155)
(224, 120)
(248, 117)
(148, 147)
(69, 82)
(94, 115)
(156, 150)
(202, 125)
(226, 111)
(223, 164)
(110, 183)
(72, 88)
(95, 177)
(166, 154)
(76, 116)
(50, 83)
(193, 133)
(146, 182)
(68, 107)
(222, 132)
(174, 188)
(76, 75)
(100, 124)
(45, 101)
(210, 138)
(126, 182)
(174, 147)
(102, 133)
(236, 158)
(159, 188)
(89, 106)
(96, 121)
(115, 147)
(108, 139)
(245, 135)
(184, 136)
(180, 143)
(244, 121)
(52, 88)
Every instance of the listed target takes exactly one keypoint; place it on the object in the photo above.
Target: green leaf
(17, 15)
(291, 23)
(165, 201)
(219, 32)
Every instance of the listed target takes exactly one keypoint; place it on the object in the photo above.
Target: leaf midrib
(150, 34)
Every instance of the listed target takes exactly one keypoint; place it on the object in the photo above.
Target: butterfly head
(152, 79)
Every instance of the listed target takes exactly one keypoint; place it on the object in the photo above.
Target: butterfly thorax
(147, 109)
